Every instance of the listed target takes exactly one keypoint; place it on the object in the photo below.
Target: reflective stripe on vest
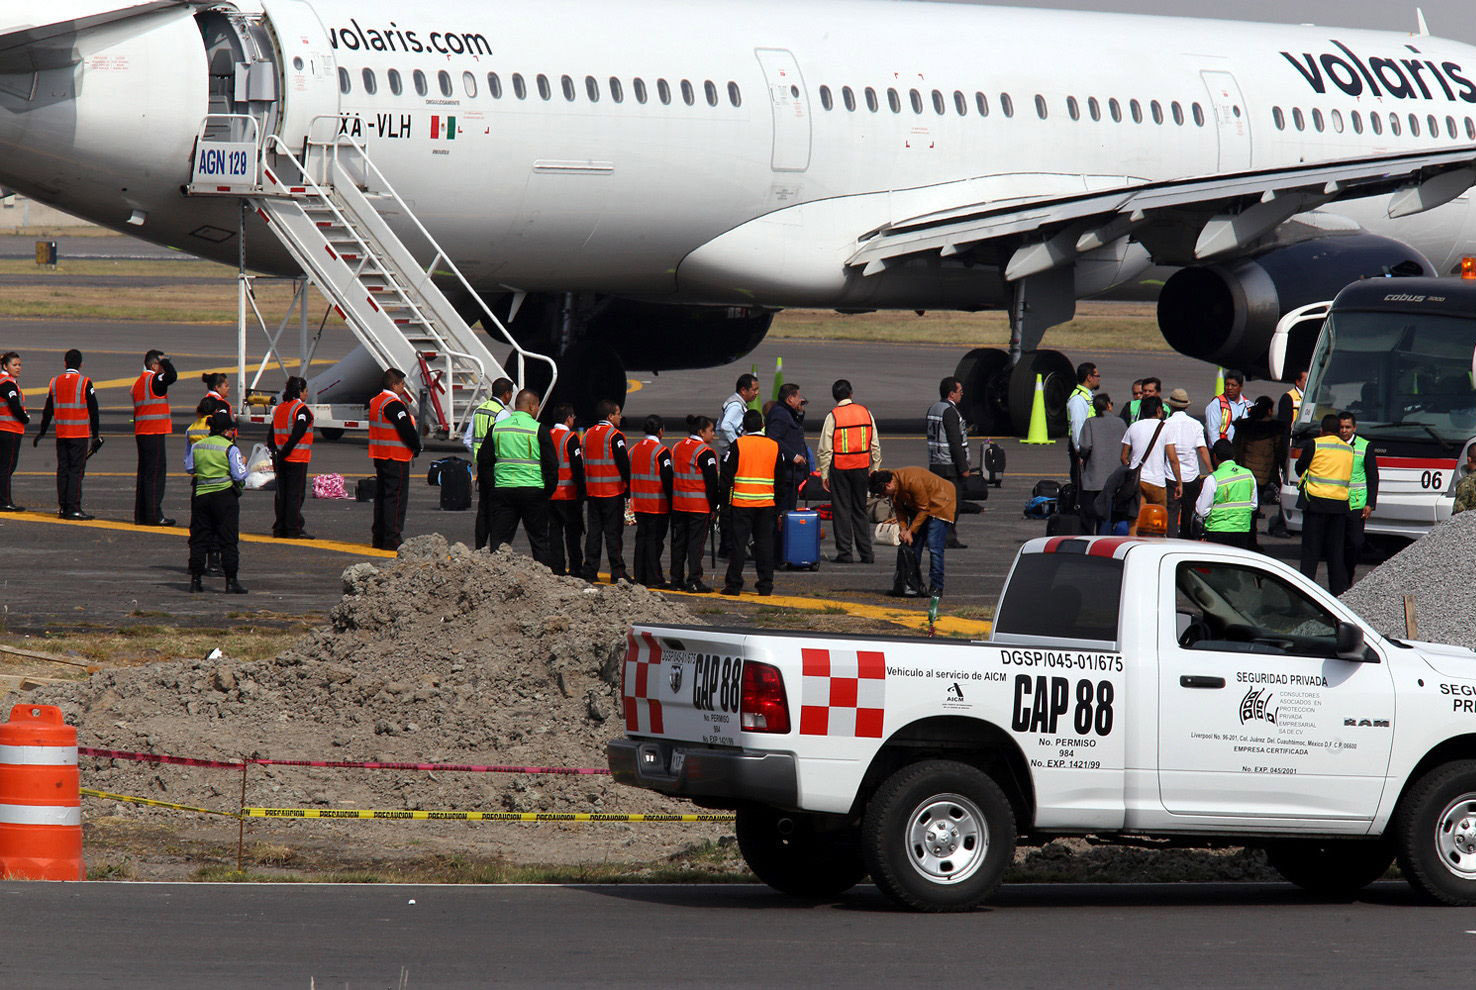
(1224, 417)
(515, 441)
(1358, 482)
(646, 492)
(753, 485)
(212, 465)
(282, 421)
(69, 405)
(1331, 470)
(1084, 391)
(384, 440)
(8, 422)
(689, 488)
(566, 491)
(939, 451)
(601, 476)
(850, 442)
(1234, 506)
(199, 430)
(484, 417)
(150, 411)
(1296, 397)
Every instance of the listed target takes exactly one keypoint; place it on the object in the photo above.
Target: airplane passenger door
(791, 108)
(1231, 119)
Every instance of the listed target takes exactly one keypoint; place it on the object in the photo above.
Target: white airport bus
(1399, 353)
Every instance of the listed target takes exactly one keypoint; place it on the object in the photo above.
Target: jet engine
(1227, 313)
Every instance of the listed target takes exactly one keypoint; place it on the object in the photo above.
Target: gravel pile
(1439, 570)
(442, 655)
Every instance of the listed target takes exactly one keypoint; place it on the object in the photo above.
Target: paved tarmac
(72, 573)
(1211, 936)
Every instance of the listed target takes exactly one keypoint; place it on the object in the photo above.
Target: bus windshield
(1406, 376)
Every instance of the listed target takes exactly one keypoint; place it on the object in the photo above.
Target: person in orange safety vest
(606, 482)
(13, 420)
(291, 444)
(72, 402)
(650, 497)
(750, 470)
(152, 426)
(394, 441)
(566, 504)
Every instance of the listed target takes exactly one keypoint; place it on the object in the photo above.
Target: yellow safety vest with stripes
(1358, 484)
(1234, 506)
(1331, 470)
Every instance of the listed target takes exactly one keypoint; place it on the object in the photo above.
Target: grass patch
(1099, 325)
(979, 612)
(264, 637)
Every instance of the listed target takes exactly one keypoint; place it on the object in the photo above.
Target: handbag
(887, 534)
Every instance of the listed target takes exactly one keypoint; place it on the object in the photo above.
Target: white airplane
(642, 184)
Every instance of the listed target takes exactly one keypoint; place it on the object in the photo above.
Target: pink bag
(329, 486)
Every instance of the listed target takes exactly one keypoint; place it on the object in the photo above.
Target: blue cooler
(800, 539)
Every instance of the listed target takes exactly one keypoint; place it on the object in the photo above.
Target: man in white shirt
(1223, 410)
(1143, 445)
(1187, 459)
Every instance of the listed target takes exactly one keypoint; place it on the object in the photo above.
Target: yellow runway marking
(631, 385)
(333, 546)
(38, 393)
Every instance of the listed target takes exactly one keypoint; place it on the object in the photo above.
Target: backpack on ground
(364, 490)
(1046, 488)
(456, 484)
(1040, 507)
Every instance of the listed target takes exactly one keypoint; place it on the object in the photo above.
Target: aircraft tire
(985, 373)
(1059, 378)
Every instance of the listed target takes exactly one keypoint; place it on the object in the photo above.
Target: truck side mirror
(1349, 643)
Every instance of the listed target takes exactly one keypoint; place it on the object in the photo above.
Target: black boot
(233, 587)
(197, 583)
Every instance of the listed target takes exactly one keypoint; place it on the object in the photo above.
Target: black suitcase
(975, 488)
(364, 490)
(1046, 488)
(456, 484)
(1064, 524)
(992, 457)
(1066, 500)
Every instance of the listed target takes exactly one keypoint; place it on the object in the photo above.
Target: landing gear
(588, 372)
(1058, 378)
(985, 373)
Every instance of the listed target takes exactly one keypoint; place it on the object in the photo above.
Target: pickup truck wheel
(938, 835)
(802, 854)
(1330, 867)
(1435, 832)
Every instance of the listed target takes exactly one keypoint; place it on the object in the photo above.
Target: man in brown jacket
(926, 505)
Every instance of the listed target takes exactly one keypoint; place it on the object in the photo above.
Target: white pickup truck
(1135, 689)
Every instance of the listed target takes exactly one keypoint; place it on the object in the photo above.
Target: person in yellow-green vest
(1326, 470)
(218, 472)
(517, 469)
(1079, 409)
(1363, 490)
(1227, 502)
(493, 409)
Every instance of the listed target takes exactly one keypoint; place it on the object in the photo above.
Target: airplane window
(395, 84)
(826, 101)
(1393, 123)
(1041, 110)
(1136, 109)
(1094, 108)
(1073, 108)
(848, 97)
(494, 85)
(1337, 121)
(1198, 115)
(520, 88)
(1414, 125)
(735, 95)
(592, 89)
(343, 80)
(710, 89)
(418, 78)
(1450, 126)
(639, 86)
(916, 99)
(567, 85)
(469, 83)
(982, 102)
(1470, 129)
(663, 92)
(689, 95)
(894, 101)
(1178, 114)
(617, 91)
(1317, 119)
(1157, 110)
(940, 106)
(545, 91)
(1278, 118)
(1376, 122)
(1356, 119)
(1006, 105)
(371, 85)
(1434, 130)
(443, 79)
(1115, 109)
(1298, 121)
(871, 103)
(960, 103)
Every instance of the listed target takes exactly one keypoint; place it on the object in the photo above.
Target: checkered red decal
(843, 693)
(642, 668)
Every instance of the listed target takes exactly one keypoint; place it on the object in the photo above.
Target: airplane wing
(32, 47)
(1180, 221)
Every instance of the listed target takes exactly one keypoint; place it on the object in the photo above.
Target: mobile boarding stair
(329, 208)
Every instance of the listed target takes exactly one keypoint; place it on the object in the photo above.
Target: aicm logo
(674, 677)
(1257, 705)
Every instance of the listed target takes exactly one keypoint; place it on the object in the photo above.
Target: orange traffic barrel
(40, 797)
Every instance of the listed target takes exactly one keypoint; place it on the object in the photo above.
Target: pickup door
(1259, 719)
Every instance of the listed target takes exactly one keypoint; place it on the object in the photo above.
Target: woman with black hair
(291, 444)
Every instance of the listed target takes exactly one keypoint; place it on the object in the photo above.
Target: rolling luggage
(993, 459)
(364, 490)
(799, 547)
(1067, 524)
(456, 484)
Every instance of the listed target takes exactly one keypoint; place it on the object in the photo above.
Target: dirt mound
(1439, 570)
(443, 655)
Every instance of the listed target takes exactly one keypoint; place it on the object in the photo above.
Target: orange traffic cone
(40, 797)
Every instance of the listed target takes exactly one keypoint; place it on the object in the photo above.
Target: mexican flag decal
(442, 128)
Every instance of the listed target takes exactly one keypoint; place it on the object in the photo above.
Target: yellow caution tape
(475, 816)
(89, 792)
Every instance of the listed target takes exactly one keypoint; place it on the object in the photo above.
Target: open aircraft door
(791, 108)
(306, 67)
(1231, 120)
